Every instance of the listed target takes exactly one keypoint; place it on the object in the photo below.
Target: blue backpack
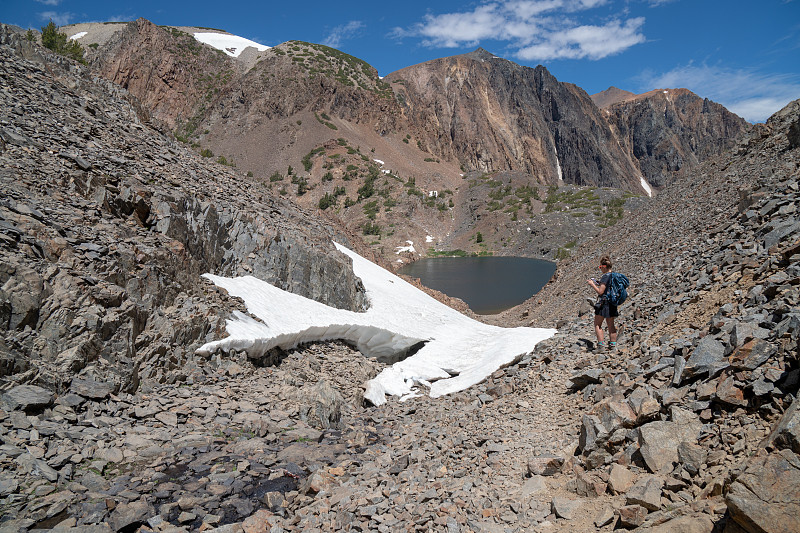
(617, 291)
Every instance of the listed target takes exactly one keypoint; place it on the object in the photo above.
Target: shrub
(371, 229)
(276, 176)
(328, 176)
(326, 201)
(348, 202)
(371, 209)
(479, 237)
(205, 152)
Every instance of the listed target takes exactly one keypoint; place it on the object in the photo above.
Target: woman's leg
(612, 329)
(598, 327)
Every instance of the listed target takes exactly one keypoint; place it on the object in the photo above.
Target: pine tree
(58, 43)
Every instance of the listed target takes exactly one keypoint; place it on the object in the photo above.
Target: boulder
(582, 378)
(323, 409)
(592, 434)
(631, 516)
(620, 479)
(786, 433)
(691, 456)
(707, 357)
(27, 398)
(644, 406)
(128, 516)
(646, 492)
(658, 441)
(545, 465)
(766, 497)
(729, 392)
(89, 388)
(614, 414)
(564, 507)
(589, 484)
(751, 354)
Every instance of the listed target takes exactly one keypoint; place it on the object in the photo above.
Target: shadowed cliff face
(667, 130)
(492, 114)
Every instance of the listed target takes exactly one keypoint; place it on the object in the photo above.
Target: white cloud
(49, 2)
(342, 32)
(59, 19)
(536, 29)
(750, 94)
(592, 42)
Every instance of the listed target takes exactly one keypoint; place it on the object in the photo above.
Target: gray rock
(324, 407)
(532, 485)
(582, 378)
(545, 465)
(752, 354)
(27, 398)
(766, 497)
(707, 356)
(631, 516)
(658, 441)
(605, 517)
(786, 433)
(564, 507)
(89, 388)
(646, 492)
(745, 331)
(592, 433)
(691, 456)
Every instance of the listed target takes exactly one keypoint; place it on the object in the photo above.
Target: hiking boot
(612, 346)
(599, 346)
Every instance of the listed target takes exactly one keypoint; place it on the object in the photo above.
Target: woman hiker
(603, 309)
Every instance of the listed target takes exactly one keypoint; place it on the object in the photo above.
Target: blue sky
(740, 53)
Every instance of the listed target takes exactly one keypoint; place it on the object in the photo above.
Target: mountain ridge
(271, 112)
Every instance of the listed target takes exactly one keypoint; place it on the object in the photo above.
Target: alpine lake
(487, 284)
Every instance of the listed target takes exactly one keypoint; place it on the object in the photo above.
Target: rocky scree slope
(107, 227)
(667, 129)
(701, 399)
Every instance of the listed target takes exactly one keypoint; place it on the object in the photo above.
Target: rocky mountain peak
(612, 95)
(480, 54)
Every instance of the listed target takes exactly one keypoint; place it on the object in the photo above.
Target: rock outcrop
(491, 114)
(166, 69)
(106, 227)
(666, 130)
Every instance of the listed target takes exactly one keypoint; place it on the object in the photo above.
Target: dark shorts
(606, 310)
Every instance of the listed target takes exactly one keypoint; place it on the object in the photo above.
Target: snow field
(233, 45)
(458, 352)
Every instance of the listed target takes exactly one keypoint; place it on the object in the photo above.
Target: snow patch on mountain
(233, 45)
(458, 351)
(646, 186)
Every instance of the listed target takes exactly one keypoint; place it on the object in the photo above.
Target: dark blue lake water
(488, 284)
